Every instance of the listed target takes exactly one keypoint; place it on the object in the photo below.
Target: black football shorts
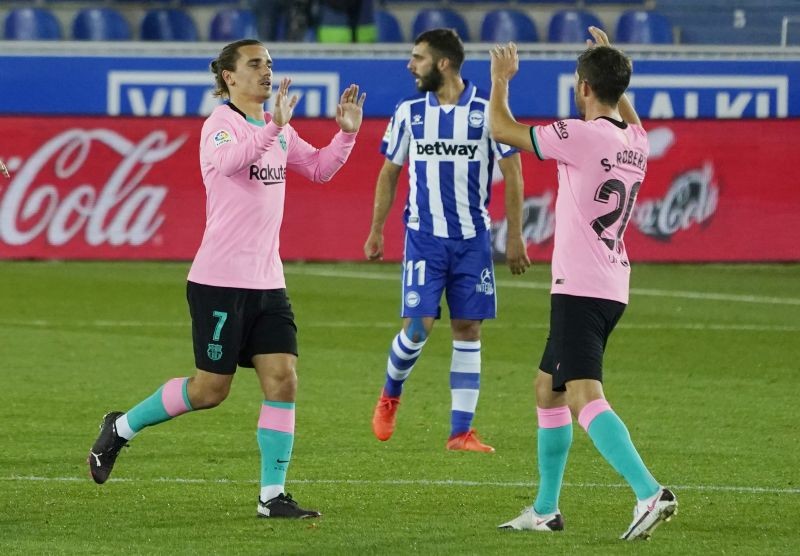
(231, 325)
(579, 330)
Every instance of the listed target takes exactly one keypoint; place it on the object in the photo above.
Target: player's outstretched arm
(626, 109)
(505, 129)
(349, 111)
(516, 251)
(385, 192)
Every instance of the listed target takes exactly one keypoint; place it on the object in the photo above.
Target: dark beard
(431, 82)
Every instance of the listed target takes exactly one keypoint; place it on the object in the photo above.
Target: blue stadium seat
(388, 27)
(570, 2)
(724, 22)
(231, 25)
(567, 26)
(434, 18)
(644, 27)
(168, 25)
(100, 24)
(32, 24)
(502, 26)
(207, 2)
(587, 2)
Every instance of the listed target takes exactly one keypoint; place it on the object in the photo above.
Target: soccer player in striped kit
(602, 160)
(443, 134)
(236, 290)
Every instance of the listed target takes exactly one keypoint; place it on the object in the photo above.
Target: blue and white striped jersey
(451, 158)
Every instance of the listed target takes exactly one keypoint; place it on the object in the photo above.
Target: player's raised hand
(505, 61)
(373, 248)
(349, 111)
(284, 106)
(599, 36)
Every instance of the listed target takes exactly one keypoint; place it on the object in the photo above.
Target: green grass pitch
(703, 369)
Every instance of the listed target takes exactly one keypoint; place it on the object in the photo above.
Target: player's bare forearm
(385, 192)
(516, 251)
(627, 111)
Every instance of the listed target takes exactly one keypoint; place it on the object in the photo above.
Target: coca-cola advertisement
(130, 188)
(100, 189)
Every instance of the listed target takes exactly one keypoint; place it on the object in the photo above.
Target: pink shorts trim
(592, 410)
(554, 417)
(276, 418)
(172, 397)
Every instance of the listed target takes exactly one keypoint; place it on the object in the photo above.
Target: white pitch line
(405, 482)
(392, 324)
(713, 296)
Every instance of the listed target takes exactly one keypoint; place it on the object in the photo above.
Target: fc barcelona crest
(214, 352)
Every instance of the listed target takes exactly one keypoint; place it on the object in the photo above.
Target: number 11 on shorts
(419, 266)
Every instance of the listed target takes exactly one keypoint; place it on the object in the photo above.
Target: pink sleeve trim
(592, 410)
(276, 418)
(554, 417)
(172, 397)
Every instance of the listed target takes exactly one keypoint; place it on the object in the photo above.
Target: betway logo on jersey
(182, 93)
(269, 175)
(666, 96)
(446, 148)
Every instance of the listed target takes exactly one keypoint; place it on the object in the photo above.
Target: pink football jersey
(244, 171)
(601, 165)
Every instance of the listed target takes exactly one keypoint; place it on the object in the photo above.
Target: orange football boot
(385, 416)
(468, 441)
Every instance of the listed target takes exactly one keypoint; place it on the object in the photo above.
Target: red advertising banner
(130, 188)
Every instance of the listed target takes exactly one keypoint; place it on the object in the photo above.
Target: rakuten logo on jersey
(122, 210)
(269, 175)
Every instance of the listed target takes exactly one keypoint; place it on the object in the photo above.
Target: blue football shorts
(460, 268)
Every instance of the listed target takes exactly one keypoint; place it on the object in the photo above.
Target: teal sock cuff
(276, 452)
(149, 411)
(552, 450)
(281, 405)
(185, 391)
(612, 439)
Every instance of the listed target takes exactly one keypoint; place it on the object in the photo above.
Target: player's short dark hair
(227, 61)
(608, 72)
(445, 43)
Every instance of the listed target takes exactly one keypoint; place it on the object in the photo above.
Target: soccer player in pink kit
(240, 312)
(602, 161)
